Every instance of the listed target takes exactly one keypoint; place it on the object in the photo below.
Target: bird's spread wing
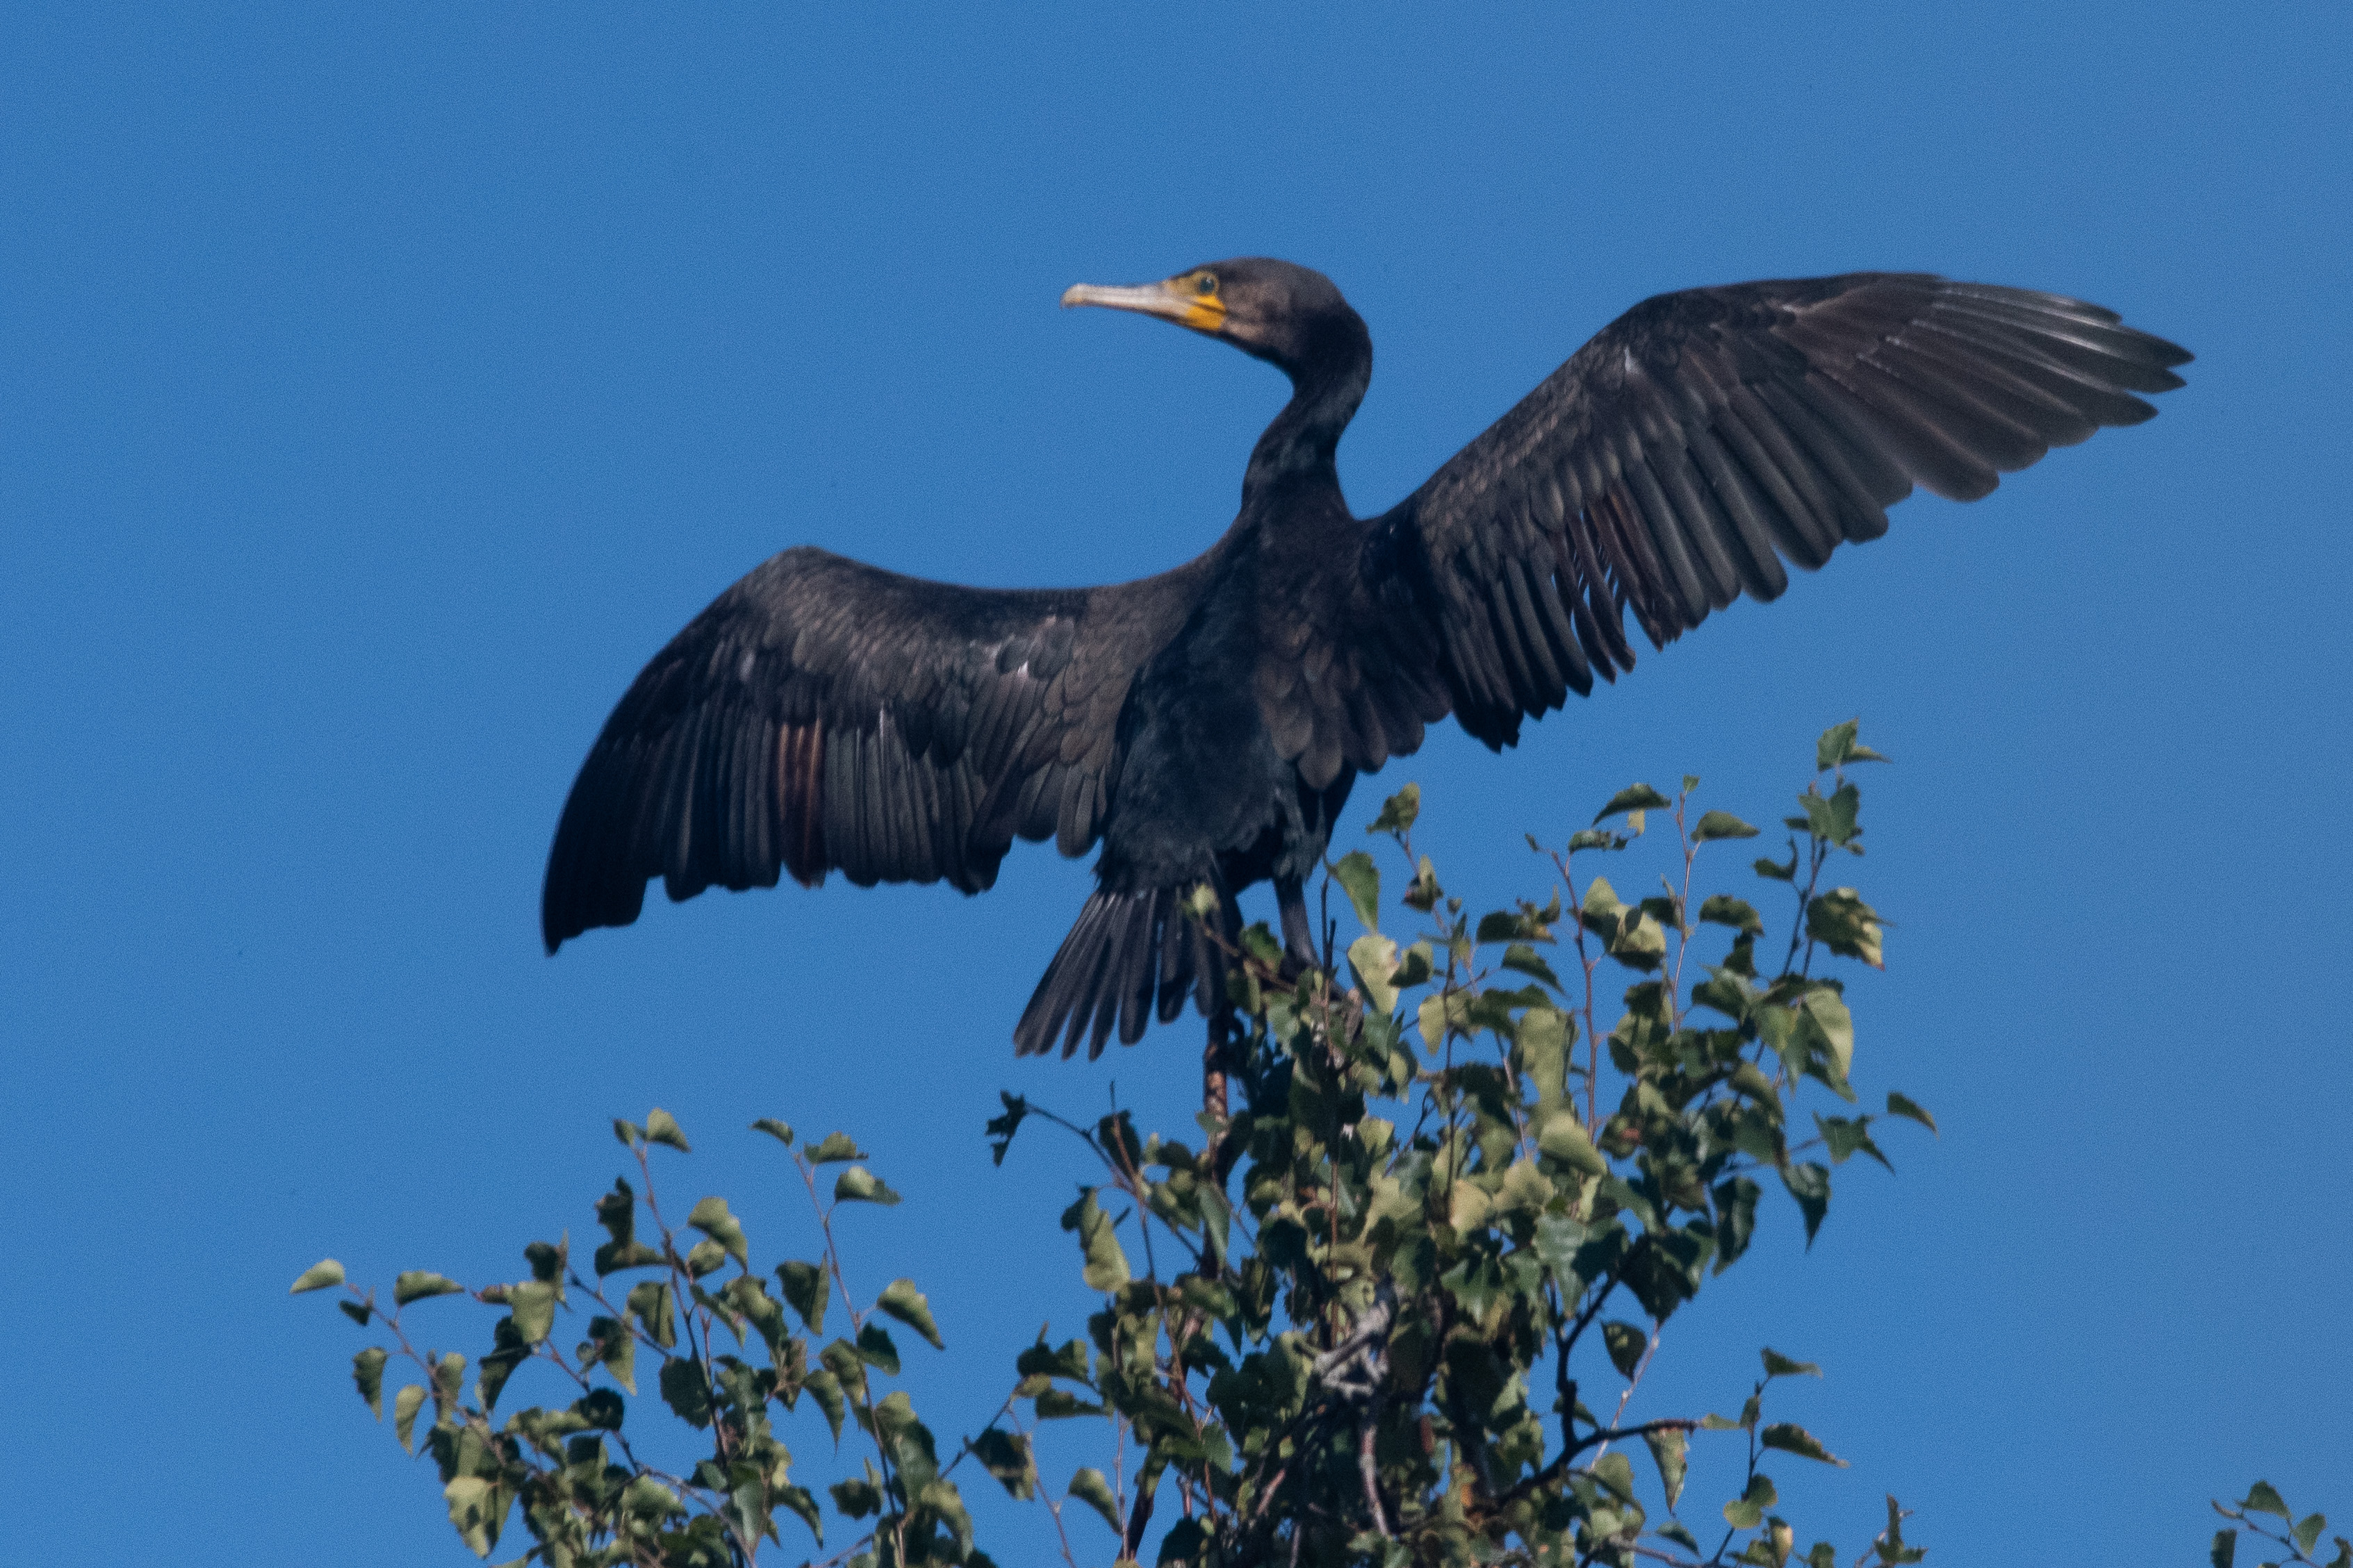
(823, 714)
(1704, 437)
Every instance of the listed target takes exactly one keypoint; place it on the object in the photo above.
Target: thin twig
(1648, 1350)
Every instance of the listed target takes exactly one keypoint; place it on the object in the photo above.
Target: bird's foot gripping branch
(1413, 1285)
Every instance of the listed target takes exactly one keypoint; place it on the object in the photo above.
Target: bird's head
(1288, 315)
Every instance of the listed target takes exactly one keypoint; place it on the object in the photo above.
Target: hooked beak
(1202, 312)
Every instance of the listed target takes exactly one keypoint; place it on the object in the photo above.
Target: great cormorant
(1205, 724)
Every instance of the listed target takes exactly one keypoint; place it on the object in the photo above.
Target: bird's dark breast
(1211, 768)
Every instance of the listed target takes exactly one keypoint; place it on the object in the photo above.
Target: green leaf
(1900, 1105)
(2262, 1499)
(611, 1345)
(1423, 892)
(656, 1311)
(1001, 1129)
(1839, 747)
(357, 1311)
(747, 1295)
(1625, 1344)
(616, 1256)
(1043, 1360)
(1723, 909)
(549, 1261)
(1399, 812)
(662, 1128)
(686, 1391)
(1721, 824)
(404, 1406)
(782, 1134)
(1602, 910)
(534, 1306)
(1563, 1138)
(367, 1374)
(836, 1148)
(1778, 1365)
(1616, 1471)
(857, 1184)
(1747, 1512)
(911, 1306)
(1356, 873)
(1525, 960)
(1793, 1439)
(1667, 1451)
(1501, 925)
(649, 1499)
(1634, 797)
(629, 1132)
(1373, 957)
(601, 1408)
(417, 1284)
(875, 1348)
(1107, 1265)
(1090, 1488)
(1842, 923)
(1059, 1404)
(1779, 871)
(1007, 1457)
(826, 1389)
(477, 1508)
(1431, 1017)
(508, 1354)
(704, 1257)
(1809, 1183)
(318, 1277)
(2226, 1547)
(1828, 1012)
(2307, 1531)
(710, 1218)
(1736, 1219)
(1844, 1137)
(807, 1286)
(856, 1499)
(802, 1503)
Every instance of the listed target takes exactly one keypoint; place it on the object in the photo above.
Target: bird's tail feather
(1125, 949)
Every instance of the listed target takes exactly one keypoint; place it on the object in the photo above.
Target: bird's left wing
(824, 714)
(1704, 437)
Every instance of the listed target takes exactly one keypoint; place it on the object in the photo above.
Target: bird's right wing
(1704, 438)
(823, 714)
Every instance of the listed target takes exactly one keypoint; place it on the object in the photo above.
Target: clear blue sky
(379, 387)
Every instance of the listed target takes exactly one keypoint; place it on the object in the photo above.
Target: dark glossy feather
(1728, 430)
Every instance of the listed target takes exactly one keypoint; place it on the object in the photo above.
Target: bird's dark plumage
(1207, 724)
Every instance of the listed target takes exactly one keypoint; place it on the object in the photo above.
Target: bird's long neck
(1327, 388)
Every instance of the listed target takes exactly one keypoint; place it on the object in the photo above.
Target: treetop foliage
(1392, 1311)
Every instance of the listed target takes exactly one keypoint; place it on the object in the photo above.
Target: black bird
(1205, 724)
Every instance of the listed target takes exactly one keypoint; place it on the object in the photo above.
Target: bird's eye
(1205, 283)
